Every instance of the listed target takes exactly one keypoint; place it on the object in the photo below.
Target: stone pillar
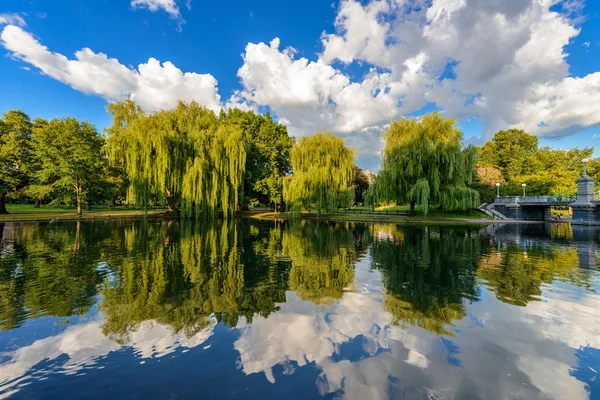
(508, 206)
(587, 256)
(547, 214)
(585, 211)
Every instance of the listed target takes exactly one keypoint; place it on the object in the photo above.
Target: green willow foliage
(322, 256)
(185, 156)
(268, 156)
(516, 275)
(50, 271)
(323, 171)
(427, 272)
(425, 163)
(182, 274)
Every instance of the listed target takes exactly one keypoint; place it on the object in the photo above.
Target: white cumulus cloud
(502, 62)
(153, 85)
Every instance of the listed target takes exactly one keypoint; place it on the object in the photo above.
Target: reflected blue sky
(346, 348)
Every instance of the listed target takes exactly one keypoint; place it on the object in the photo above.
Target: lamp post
(498, 189)
(585, 161)
(524, 186)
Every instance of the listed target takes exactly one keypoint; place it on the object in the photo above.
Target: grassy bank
(433, 213)
(396, 214)
(26, 212)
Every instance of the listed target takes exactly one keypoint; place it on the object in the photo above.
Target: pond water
(272, 309)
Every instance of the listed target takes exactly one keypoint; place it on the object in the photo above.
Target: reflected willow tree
(516, 273)
(49, 270)
(322, 257)
(427, 274)
(182, 274)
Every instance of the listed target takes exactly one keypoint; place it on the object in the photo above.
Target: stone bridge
(585, 205)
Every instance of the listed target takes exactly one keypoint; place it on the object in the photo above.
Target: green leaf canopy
(323, 170)
(425, 163)
(185, 156)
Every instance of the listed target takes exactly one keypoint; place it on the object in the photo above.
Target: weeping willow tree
(323, 171)
(185, 156)
(425, 163)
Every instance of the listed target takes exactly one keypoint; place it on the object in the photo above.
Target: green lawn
(433, 212)
(28, 212)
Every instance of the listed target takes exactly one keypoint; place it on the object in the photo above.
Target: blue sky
(376, 63)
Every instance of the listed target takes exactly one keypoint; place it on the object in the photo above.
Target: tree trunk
(412, 207)
(78, 190)
(171, 202)
(76, 245)
(37, 203)
(2, 204)
(88, 206)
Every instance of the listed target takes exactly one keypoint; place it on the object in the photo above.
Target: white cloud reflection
(85, 344)
(499, 352)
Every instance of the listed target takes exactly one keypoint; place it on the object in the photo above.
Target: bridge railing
(534, 199)
(568, 198)
(555, 198)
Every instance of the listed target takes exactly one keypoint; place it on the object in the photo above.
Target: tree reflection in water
(186, 275)
(361, 305)
(322, 256)
(427, 272)
(48, 270)
(187, 272)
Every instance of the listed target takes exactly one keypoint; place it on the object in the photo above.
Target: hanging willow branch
(424, 163)
(185, 156)
(323, 168)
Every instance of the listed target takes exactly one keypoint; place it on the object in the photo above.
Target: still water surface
(264, 309)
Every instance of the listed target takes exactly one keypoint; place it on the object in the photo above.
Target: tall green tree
(424, 163)
(323, 168)
(15, 135)
(35, 188)
(268, 156)
(511, 151)
(184, 156)
(70, 157)
(518, 158)
(360, 181)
